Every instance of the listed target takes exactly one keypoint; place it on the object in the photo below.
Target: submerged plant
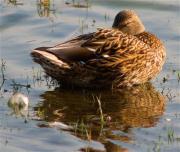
(83, 130)
(14, 2)
(45, 8)
(170, 135)
(82, 26)
(178, 75)
(3, 68)
(100, 110)
(79, 4)
(17, 86)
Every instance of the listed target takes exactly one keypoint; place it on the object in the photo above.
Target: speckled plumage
(107, 58)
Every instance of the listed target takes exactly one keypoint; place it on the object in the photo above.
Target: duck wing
(71, 50)
(103, 43)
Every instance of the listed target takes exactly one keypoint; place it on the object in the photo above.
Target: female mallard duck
(125, 55)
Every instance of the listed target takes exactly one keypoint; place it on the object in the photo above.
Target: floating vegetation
(40, 113)
(2, 76)
(157, 147)
(170, 135)
(17, 86)
(45, 8)
(178, 75)
(78, 3)
(82, 130)
(14, 2)
(165, 79)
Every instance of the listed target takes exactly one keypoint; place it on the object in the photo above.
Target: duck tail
(52, 65)
(42, 56)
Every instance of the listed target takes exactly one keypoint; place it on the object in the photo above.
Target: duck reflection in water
(122, 110)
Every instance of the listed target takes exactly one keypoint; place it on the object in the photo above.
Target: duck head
(128, 22)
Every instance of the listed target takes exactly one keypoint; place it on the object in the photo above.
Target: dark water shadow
(12, 20)
(123, 110)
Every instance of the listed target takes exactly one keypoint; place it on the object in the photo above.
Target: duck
(121, 56)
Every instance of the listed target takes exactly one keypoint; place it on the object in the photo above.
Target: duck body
(105, 58)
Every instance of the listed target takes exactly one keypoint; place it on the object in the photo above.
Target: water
(146, 118)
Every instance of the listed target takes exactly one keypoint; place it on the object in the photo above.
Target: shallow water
(146, 118)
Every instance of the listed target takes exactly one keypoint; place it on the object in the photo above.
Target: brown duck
(121, 56)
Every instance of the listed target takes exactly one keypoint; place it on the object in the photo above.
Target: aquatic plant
(14, 2)
(79, 4)
(45, 8)
(82, 25)
(170, 134)
(17, 86)
(3, 68)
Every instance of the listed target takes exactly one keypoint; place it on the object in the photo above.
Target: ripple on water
(138, 122)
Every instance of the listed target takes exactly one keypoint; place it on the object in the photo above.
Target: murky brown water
(145, 118)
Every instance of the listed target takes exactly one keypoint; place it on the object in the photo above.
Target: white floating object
(19, 103)
(60, 125)
(168, 119)
(18, 99)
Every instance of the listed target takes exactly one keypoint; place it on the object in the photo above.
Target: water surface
(146, 118)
